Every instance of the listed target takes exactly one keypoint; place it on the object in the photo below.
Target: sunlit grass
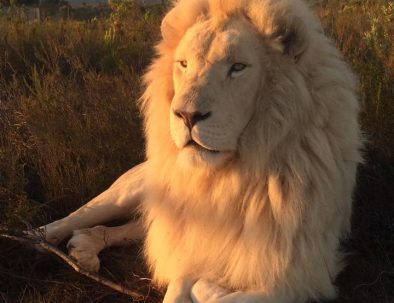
(364, 31)
(68, 90)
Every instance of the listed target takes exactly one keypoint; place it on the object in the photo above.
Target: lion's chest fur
(214, 239)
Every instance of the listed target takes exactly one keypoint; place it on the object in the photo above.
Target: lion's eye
(182, 63)
(236, 69)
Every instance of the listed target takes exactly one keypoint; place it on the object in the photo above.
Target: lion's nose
(191, 118)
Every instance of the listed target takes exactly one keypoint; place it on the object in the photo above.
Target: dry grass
(69, 126)
(364, 31)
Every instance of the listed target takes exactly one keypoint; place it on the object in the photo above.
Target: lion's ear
(179, 19)
(170, 32)
(275, 20)
(290, 38)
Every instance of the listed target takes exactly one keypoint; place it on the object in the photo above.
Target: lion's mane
(271, 219)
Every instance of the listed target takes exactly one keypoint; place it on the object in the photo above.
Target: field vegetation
(69, 126)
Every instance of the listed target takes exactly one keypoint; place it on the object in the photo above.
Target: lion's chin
(193, 155)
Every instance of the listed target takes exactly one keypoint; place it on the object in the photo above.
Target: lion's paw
(205, 291)
(86, 259)
(85, 246)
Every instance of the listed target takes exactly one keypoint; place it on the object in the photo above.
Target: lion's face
(225, 84)
(217, 75)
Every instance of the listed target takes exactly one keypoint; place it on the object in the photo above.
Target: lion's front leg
(179, 291)
(86, 244)
(208, 292)
(120, 200)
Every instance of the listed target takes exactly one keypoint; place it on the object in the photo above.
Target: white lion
(252, 148)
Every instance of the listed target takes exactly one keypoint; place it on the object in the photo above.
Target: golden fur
(270, 219)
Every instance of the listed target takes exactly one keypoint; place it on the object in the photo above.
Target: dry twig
(39, 242)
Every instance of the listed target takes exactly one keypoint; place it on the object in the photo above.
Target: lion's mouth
(198, 154)
(195, 145)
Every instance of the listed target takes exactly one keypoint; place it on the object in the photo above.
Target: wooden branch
(40, 243)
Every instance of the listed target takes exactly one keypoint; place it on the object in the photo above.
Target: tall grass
(68, 119)
(364, 31)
